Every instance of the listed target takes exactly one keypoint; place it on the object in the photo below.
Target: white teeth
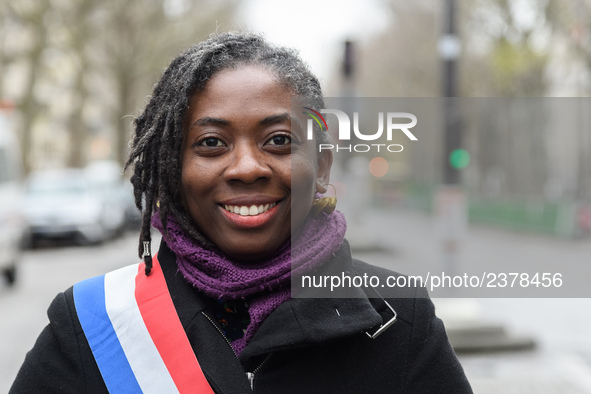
(252, 210)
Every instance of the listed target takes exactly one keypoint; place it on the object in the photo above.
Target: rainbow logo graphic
(315, 115)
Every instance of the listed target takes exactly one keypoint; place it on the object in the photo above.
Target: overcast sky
(317, 28)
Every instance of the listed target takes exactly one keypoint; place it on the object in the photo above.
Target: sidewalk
(560, 327)
(411, 242)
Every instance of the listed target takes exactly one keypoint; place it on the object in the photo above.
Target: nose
(248, 164)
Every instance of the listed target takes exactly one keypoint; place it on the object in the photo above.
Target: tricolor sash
(135, 334)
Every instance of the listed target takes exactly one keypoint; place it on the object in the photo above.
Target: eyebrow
(280, 118)
(273, 119)
(269, 120)
(206, 121)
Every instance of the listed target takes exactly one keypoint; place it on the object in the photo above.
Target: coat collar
(307, 320)
(299, 322)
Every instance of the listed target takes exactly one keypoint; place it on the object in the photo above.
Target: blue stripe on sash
(89, 299)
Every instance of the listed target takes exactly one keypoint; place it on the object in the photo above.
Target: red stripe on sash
(166, 330)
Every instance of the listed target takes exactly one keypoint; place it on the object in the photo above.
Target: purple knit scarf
(264, 285)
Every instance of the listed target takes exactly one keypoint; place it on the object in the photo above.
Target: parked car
(12, 225)
(133, 217)
(107, 175)
(106, 178)
(71, 203)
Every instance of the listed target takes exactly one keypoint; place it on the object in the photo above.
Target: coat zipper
(249, 375)
(221, 333)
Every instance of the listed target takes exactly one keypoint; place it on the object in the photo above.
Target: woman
(223, 169)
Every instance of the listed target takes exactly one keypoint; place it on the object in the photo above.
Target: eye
(211, 142)
(280, 140)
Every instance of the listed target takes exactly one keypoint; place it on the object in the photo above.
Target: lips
(250, 216)
(249, 210)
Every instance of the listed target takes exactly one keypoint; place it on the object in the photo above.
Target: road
(561, 362)
(45, 272)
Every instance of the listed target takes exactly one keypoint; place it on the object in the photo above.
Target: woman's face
(240, 157)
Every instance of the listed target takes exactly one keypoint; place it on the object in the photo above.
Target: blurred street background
(510, 182)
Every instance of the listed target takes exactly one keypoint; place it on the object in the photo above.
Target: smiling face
(240, 157)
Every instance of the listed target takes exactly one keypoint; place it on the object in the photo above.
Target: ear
(323, 173)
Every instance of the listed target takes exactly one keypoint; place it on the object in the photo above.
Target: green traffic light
(459, 158)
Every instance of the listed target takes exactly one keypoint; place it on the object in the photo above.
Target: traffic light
(459, 159)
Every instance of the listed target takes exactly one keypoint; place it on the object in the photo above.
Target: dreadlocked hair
(156, 146)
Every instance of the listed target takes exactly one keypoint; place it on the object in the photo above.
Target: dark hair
(156, 147)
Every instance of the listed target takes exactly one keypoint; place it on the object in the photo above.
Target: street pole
(354, 166)
(449, 50)
(450, 201)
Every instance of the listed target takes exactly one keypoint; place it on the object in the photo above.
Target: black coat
(304, 346)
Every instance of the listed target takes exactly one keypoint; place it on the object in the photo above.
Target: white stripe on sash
(144, 359)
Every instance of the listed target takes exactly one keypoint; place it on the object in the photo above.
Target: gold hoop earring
(324, 204)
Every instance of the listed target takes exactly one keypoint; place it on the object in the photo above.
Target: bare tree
(108, 53)
(79, 34)
(140, 37)
(30, 14)
(403, 61)
(501, 54)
